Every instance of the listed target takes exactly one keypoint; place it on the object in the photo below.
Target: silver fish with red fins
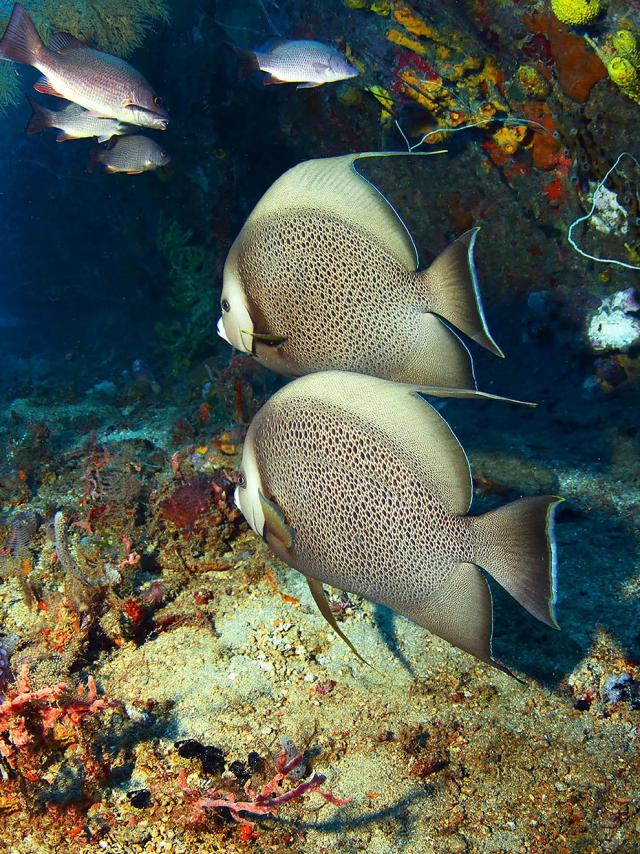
(73, 122)
(103, 84)
(129, 154)
(305, 62)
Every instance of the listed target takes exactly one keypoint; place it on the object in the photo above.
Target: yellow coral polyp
(532, 82)
(385, 99)
(413, 23)
(431, 94)
(510, 138)
(623, 72)
(403, 40)
(626, 44)
(576, 12)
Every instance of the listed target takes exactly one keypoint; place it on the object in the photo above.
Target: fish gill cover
(177, 670)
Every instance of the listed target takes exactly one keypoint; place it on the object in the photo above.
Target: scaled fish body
(359, 483)
(74, 122)
(308, 63)
(103, 84)
(130, 154)
(324, 275)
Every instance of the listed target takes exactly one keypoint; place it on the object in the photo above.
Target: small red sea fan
(187, 502)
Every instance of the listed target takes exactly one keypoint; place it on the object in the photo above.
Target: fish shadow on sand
(117, 735)
(596, 558)
(587, 451)
(385, 622)
(404, 813)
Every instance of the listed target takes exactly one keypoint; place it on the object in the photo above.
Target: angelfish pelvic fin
(275, 526)
(320, 598)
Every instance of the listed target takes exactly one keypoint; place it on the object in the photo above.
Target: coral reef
(122, 556)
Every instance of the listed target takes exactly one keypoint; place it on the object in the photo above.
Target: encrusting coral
(116, 26)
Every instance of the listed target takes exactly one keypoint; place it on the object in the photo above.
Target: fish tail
(41, 117)
(454, 294)
(21, 42)
(247, 61)
(96, 163)
(515, 544)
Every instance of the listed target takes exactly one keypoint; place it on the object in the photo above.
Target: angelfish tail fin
(515, 545)
(454, 294)
(41, 117)
(21, 42)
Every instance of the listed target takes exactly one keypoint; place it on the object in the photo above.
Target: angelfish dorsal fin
(333, 185)
(317, 591)
(275, 524)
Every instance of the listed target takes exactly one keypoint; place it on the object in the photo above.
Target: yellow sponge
(576, 11)
(622, 72)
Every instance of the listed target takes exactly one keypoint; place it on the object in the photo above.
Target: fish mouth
(222, 333)
(157, 119)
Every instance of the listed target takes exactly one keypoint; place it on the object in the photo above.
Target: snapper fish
(359, 483)
(324, 275)
(129, 154)
(305, 62)
(105, 85)
(73, 122)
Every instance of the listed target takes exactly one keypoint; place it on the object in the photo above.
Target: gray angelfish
(359, 483)
(324, 275)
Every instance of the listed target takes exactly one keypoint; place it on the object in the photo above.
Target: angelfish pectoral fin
(320, 598)
(275, 527)
(266, 338)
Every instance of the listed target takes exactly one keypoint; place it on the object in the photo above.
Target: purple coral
(5, 672)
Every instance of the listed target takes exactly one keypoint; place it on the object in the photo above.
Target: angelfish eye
(225, 305)
(157, 100)
(241, 480)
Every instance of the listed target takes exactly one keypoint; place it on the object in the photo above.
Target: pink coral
(28, 719)
(267, 801)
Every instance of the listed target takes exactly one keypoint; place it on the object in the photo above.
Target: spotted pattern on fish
(132, 154)
(330, 473)
(337, 296)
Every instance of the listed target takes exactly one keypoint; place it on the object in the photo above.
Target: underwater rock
(615, 325)
(621, 687)
(139, 798)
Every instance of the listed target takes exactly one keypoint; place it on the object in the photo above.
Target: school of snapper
(323, 284)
